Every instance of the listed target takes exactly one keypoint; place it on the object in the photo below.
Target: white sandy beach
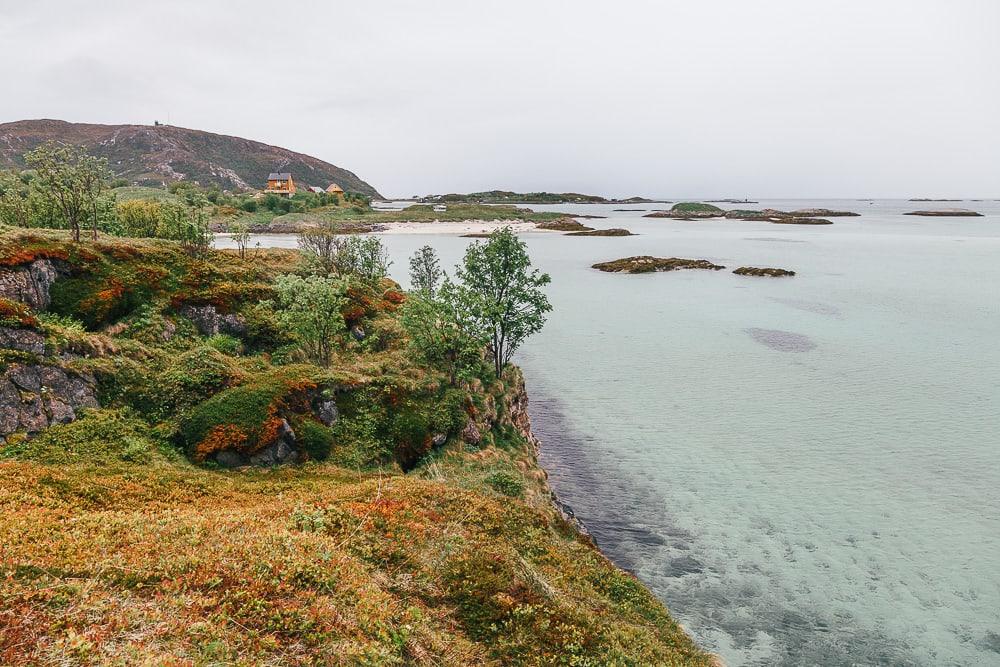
(463, 227)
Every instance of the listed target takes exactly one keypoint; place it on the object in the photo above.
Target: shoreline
(518, 401)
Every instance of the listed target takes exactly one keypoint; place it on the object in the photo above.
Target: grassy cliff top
(118, 547)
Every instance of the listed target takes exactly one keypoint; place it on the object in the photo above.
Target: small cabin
(280, 184)
(335, 189)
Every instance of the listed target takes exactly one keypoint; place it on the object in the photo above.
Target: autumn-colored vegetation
(397, 539)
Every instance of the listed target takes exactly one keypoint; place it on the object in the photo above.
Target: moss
(506, 483)
(98, 437)
(248, 417)
(314, 438)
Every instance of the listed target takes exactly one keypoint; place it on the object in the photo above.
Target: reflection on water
(839, 506)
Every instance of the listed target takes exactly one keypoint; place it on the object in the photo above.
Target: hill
(158, 154)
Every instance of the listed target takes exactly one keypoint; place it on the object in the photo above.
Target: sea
(806, 470)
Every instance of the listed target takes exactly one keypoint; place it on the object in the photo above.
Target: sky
(668, 98)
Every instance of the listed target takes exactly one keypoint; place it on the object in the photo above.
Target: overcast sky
(672, 98)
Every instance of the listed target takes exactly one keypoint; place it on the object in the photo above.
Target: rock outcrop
(648, 264)
(30, 283)
(762, 271)
(22, 340)
(947, 213)
(210, 322)
(36, 396)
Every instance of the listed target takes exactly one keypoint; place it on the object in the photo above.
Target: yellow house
(335, 189)
(280, 184)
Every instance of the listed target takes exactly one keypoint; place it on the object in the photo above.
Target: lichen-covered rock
(30, 284)
(35, 396)
(471, 434)
(688, 211)
(210, 322)
(326, 411)
(22, 340)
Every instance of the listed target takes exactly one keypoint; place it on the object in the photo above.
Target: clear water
(804, 469)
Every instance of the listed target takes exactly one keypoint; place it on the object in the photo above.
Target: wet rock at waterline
(762, 271)
(648, 264)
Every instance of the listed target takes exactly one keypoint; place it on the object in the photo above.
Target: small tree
(241, 237)
(330, 253)
(425, 271)
(499, 296)
(311, 309)
(15, 204)
(372, 258)
(436, 335)
(72, 180)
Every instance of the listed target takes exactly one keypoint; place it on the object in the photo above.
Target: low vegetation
(410, 525)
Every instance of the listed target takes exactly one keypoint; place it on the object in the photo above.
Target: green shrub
(97, 437)
(315, 438)
(506, 483)
(225, 344)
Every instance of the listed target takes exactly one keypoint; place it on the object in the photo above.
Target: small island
(614, 231)
(689, 211)
(508, 197)
(701, 211)
(762, 271)
(648, 264)
(947, 213)
(564, 225)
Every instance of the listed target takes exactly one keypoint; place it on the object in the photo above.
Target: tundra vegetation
(408, 522)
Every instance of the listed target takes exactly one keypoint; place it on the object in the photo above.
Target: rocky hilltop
(158, 154)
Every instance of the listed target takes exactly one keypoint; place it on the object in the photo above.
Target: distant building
(317, 190)
(280, 184)
(335, 189)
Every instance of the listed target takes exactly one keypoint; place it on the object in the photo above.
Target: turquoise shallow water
(804, 469)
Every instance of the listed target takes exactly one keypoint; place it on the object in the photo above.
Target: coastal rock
(648, 264)
(35, 396)
(762, 271)
(614, 231)
(564, 225)
(799, 217)
(30, 284)
(801, 221)
(22, 340)
(210, 322)
(821, 213)
(689, 211)
(947, 213)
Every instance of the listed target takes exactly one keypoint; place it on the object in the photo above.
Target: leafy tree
(372, 258)
(72, 180)
(330, 253)
(139, 217)
(311, 309)
(436, 336)
(425, 271)
(499, 296)
(15, 205)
